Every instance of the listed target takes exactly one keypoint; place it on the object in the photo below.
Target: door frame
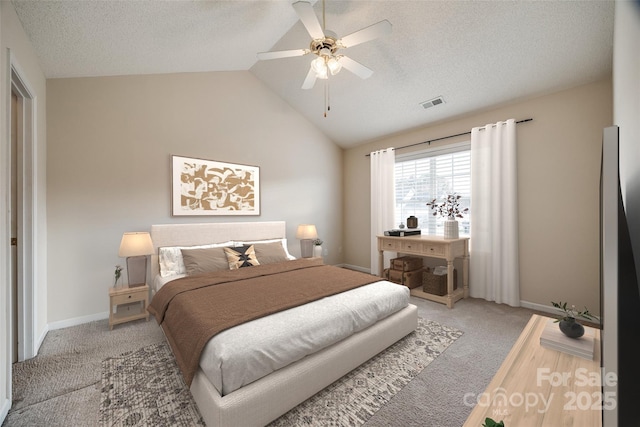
(27, 204)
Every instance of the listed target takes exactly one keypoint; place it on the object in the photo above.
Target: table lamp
(136, 246)
(306, 233)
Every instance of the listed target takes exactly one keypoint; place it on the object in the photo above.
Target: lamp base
(137, 270)
(137, 285)
(306, 248)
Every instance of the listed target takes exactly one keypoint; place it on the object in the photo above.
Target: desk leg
(465, 270)
(450, 283)
(380, 263)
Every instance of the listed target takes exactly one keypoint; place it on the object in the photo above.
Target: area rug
(145, 388)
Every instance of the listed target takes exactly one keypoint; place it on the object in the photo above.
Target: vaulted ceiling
(474, 54)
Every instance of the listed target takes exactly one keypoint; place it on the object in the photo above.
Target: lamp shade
(306, 231)
(136, 243)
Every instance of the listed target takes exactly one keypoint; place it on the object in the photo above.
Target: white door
(14, 226)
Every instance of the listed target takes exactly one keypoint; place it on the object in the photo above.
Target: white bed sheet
(245, 353)
(160, 281)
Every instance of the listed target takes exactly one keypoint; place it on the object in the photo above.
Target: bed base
(266, 399)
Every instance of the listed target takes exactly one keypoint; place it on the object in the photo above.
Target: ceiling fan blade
(282, 54)
(310, 80)
(309, 19)
(355, 67)
(371, 32)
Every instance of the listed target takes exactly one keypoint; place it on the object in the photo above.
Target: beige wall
(23, 57)
(110, 141)
(558, 190)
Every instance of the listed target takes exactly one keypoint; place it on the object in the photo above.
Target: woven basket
(437, 285)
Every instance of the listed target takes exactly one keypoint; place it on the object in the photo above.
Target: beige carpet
(61, 387)
(145, 388)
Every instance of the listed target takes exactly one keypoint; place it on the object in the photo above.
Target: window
(430, 175)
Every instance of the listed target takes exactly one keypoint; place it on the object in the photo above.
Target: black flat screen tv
(619, 296)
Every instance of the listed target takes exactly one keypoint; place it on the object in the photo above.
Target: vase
(450, 229)
(412, 222)
(317, 251)
(571, 328)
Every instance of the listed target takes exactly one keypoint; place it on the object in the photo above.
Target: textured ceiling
(474, 54)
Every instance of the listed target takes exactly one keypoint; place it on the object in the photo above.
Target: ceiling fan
(325, 46)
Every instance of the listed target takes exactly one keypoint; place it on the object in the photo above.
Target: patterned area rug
(145, 388)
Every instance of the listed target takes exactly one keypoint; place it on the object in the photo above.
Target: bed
(262, 397)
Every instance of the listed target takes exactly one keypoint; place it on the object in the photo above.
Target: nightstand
(127, 304)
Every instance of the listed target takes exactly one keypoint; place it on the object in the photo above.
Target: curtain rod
(445, 137)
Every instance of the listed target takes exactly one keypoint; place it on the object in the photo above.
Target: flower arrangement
(117, 274)
(449, 207)
(317, 242)
(570, 314)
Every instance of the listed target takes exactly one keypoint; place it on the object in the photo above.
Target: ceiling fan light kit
(325, 45)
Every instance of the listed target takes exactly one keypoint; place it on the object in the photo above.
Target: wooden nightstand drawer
(130, 297)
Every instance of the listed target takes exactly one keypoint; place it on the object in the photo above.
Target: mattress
(245, 353)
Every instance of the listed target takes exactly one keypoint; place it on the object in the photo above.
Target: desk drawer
(411, 245)
(431, 249)
(391, 245)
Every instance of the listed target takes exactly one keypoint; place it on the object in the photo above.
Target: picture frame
(202, 187)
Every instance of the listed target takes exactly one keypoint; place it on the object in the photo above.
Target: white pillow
(253, 242)
(170, 258)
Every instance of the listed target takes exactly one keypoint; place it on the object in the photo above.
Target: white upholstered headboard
(215, 232)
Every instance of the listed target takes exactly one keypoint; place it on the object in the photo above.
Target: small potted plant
(568, 323)
(449, 209)
(317, 248)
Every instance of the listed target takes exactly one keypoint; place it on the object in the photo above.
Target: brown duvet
(193, 309)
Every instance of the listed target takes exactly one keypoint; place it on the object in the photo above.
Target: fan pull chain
(327, 98)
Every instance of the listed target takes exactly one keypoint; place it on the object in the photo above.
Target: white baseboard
(77, 321)
(4, 410)
(41, 338)
(356, 268)
(539, 307)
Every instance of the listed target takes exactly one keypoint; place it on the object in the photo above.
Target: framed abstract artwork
(209, 187)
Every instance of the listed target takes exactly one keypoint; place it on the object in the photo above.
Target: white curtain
(382, 198)
(494, 271)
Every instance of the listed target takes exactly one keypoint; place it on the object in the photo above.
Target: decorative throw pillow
(199, 261)
(241, 256)
(171, 261)
(282, 241)
(268, 253)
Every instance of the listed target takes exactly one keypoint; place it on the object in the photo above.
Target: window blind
(432, 176)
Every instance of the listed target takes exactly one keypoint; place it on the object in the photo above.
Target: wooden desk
(433, 247)
(537, 386)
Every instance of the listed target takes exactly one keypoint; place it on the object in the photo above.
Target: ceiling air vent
(432, 102)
